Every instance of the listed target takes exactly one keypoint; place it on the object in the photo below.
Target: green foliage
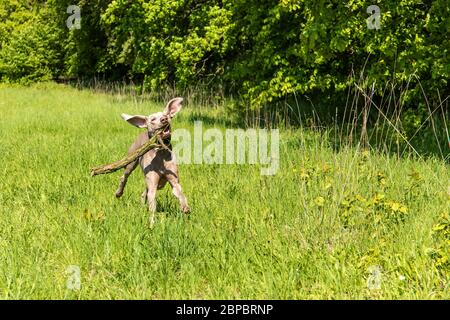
(164, 41)
(264, 50)
(30, 46)
(86, 48)
(302, 46)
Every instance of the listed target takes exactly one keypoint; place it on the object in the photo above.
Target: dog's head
(157, 120)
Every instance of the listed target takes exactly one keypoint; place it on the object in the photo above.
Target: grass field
(315, 230)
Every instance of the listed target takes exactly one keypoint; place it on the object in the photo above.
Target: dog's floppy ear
(138, 121)
(173, 106)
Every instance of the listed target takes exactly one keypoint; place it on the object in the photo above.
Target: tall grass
(312, 231)
(383, 122)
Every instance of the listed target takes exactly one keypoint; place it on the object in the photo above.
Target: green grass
(312, 231)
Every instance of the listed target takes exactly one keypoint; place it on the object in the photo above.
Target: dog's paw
(186, 209)
(119, 193)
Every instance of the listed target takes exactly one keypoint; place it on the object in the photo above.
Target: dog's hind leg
(123, 180)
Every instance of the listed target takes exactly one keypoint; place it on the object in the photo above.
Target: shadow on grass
(396, 131)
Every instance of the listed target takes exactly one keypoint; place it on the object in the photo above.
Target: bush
(30, 46)
(266, 51)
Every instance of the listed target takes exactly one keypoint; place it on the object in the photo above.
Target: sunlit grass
(312, 231)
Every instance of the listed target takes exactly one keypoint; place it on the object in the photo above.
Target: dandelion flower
(319, 201)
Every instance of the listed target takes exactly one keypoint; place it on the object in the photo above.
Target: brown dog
(159, 165)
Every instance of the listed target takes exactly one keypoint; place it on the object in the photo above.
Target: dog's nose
(164, 119)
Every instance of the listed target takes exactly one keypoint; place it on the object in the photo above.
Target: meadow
(316, 230)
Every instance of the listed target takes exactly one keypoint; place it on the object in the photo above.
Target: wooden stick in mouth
(154, 142)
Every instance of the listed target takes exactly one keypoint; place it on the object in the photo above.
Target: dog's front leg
(123, 180)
